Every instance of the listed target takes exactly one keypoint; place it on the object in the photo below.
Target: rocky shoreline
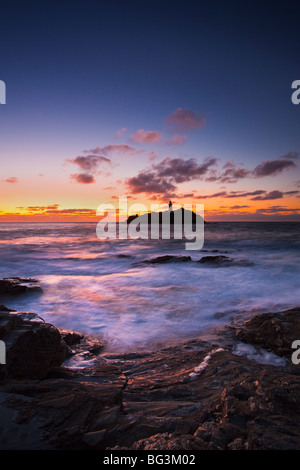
(234, 390)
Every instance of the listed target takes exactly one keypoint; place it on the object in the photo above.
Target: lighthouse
(170, 206)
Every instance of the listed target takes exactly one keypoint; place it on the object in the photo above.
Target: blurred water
(87, 286)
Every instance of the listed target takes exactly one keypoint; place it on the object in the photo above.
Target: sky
(188, 101)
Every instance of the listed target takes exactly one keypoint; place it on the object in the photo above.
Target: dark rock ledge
(11, 286)
(207, 261)
(198, 394)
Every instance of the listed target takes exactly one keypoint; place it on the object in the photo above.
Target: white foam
(200, 368)
(261, 356)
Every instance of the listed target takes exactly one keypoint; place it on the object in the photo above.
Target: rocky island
(168, 217)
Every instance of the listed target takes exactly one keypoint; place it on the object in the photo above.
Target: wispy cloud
(258, 195)
(273, 167)
(89, 162)
(277, 210)
(148, 137)
(175, 140)
(291, 155)
(11, 180)
(121, 132)
(110, 149)
(53, 209)
(269, 196)
(184, 120)
(232, 173)
(96, 160)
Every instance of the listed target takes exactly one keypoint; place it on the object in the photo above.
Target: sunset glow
(169, 127)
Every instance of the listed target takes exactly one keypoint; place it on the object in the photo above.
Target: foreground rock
(33, 347)
(200, 394)
(272, 331)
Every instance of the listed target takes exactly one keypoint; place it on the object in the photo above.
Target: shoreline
(235, 389)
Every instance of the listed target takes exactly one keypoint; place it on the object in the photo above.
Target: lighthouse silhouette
(170, 206)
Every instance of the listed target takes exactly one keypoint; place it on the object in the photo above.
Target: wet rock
(272, 331)
(165, 259)
(16, 285)
(223, 261)
(33, 347)
(72, 338)
(155, 401)
(167, 441)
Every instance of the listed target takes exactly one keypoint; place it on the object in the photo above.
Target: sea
(101, 288)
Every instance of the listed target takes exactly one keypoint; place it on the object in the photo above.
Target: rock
(154, 400)
(166, 259)
(95, 438)
(17, 285)
(223, 261)
(72, 338)
(272, 331)
(33, 347)
(167, 441)
(215, 260)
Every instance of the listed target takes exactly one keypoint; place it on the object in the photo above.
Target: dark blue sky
(77, 72)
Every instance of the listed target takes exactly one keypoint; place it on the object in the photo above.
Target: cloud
(11, 180)
(176, 140)
(291, 193)
(148, 137)
(184, 120)
(181, 170)
(276, 210)
(53, 209)
(259, 195)
(234, 194)
(268, 196)
(163, 177)
(121, 132)
(149, 182)
(39, 208)
(208, 196)
(124, 149)
(83, 178)
(91, 212)
(291, 155)
(233, 174)
(274, 195)
(273, 167)
(89, 162)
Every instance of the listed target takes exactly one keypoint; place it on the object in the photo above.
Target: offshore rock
(11, 286)
(223, 261)
(165, 259)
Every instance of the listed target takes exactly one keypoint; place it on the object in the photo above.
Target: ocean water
(94, 286)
